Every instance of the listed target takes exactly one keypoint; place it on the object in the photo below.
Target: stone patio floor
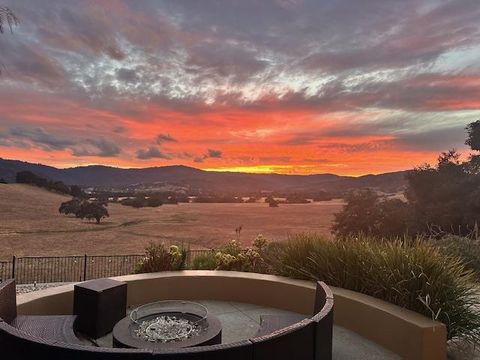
(241, 321)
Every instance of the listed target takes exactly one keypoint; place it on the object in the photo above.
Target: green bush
(467, 249)
(416, 276)
(367, 213)
(205, 261)
(158, 258)
(233, 257)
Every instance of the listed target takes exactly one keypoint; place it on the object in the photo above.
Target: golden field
(31, 225)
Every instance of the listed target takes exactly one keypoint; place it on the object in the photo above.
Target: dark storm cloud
(96, 147)
(433, 140)
(119, 129)
(162, 138)
(270, 159)
(79, 147)
(151, 153)
(385, 31)
(127, 75)
(211, 153)
(428, 92)
(28, 63)
(78, 28)
(302, 139)
(224, 60)
(419, 38)
(436, 140)
(39, 137)
(362, 147)
(399, 132)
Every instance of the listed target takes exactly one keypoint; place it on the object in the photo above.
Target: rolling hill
(188, 177)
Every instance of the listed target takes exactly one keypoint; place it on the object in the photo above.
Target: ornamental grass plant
(467, 248)
(414, 275)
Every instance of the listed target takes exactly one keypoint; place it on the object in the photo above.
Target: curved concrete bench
(404, 332)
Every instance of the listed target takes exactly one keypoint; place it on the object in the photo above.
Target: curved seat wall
(404, 332)
(297, 341)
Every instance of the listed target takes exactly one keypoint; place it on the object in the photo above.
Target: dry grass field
(31, 225)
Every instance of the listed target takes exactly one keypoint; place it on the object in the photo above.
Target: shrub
(136, 202)
(77, 192)
(92, 211)
(416, 276)
(154, 201)
(141, 201)
(233, 257)
(466, 248)
(205, 261)
(367, 213)
(84, 209)
(232, 248)
(271, 201)
(70, 207)
(158, 258)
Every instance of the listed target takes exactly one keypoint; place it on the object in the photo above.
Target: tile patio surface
(241, 321)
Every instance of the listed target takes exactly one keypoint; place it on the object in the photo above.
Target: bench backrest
(8, 301)
(293, 342)
(323, 319)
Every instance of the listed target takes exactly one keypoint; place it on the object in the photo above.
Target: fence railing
(49, 269)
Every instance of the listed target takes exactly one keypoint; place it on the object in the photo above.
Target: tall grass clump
(467, 248)
(416, 276)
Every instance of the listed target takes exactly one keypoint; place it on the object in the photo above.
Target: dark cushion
(53, 327)
(15, 344)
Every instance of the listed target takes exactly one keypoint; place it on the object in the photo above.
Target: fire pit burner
(169, 324)
(167, 329)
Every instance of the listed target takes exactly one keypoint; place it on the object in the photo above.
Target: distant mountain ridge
(184, 176)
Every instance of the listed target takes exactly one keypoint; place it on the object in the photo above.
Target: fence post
(13, 266)
(85, 267)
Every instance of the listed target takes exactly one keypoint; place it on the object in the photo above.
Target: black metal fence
(49, 269)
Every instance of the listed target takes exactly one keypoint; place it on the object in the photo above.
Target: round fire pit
(168, 325)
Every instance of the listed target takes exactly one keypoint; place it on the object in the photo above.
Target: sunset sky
(290, 86)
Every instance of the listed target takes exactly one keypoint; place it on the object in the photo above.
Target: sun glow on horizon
(278, 169)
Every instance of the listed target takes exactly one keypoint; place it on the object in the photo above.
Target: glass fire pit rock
(168, 325)
(169, 321)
